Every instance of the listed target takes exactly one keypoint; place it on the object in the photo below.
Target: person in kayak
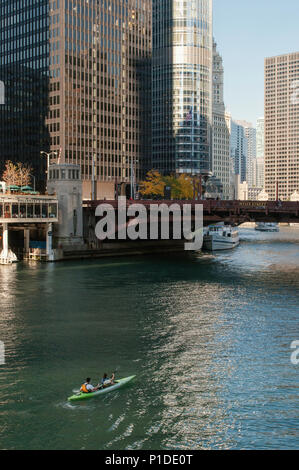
(87, 387)
(105, 382)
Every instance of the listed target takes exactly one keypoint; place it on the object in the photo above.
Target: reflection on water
(207, 335)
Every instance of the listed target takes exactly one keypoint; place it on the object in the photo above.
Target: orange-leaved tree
(153, 185)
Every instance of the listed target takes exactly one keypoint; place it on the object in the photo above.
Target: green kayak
(118, 383)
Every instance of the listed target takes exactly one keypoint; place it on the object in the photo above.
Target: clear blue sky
(246, 32)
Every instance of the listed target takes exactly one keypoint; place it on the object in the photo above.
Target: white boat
(267, 227)
(8, 257)
(220, 237)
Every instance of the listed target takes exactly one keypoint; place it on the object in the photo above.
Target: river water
(208, 337)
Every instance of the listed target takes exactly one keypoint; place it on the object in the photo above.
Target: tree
(181, 187)
(17, 175)
(153, 185)
(10, 176)
(185, 185)
(24, 173)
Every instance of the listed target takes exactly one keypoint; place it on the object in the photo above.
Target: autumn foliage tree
(155, 183)
(17, 174)
(181, 186)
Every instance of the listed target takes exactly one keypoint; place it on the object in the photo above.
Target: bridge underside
(17, 242)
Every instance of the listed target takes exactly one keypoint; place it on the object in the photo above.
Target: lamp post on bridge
(48, 154)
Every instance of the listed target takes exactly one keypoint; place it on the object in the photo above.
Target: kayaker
(106, 381)
(87, 387)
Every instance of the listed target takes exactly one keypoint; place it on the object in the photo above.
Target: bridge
(229, 212)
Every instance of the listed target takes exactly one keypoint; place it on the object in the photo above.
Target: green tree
(181, 186)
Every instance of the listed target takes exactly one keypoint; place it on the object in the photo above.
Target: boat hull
(87, 396)
(267, 228)
(213, 244)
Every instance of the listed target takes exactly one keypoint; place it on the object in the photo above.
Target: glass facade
(78, 82)
(22, 207)
(24, 70)
(182, 86)
(239, 150)
(107, 87)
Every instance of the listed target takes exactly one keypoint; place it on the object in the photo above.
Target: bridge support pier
(50, 256)
(26, 241)
(6, 256)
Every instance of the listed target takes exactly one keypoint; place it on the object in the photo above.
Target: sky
(247, 31)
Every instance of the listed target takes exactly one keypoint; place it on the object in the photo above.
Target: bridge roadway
(230, 212)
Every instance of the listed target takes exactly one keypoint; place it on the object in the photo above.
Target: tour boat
(267, 227)
(220, 237)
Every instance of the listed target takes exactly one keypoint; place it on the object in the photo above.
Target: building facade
(24, 74)
(238, 150)
(260, 153)
(92, 62)
(250, 134)
(182, 86)
(282, 126)
(221, 132)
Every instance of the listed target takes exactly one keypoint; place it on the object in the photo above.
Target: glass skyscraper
(24, 70)
(182, 86)
(239, 149)
(77, 75)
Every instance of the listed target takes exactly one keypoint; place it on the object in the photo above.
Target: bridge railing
(280, 206)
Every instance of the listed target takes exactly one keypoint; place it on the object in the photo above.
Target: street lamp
(133, 177)
(48, 159)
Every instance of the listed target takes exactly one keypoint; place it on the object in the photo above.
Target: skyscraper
(260, 153)
(250, 134)
(182, 86)
(24, 71)
(221, 133)
(91, 61)
(239, 149)
(282, 125)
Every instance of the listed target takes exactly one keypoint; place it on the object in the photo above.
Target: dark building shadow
(23, 131)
